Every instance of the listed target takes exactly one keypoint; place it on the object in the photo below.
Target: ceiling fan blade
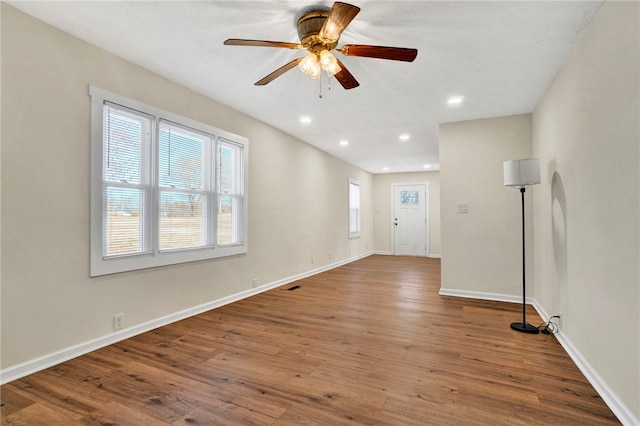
(340, 16)
(345, 78)
(380, 52)
(261, 43)
(277, 73)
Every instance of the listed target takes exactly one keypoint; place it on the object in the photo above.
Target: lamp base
(524, 327)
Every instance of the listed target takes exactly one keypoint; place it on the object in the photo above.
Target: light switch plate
(463, 208)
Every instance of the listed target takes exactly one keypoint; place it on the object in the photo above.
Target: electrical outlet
(330, 255)
(118, 322)
(312, 259)
(254, 283)
(463, 208)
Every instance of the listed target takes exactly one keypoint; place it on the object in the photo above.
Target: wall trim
(7, 375)
(38, 364)
(621, 411)
(484, 296)
(388, 253)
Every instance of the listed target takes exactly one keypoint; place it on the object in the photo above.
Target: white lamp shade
(523, 172)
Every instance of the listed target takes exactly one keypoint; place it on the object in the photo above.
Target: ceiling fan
(319, 30)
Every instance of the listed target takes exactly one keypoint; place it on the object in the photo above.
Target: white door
(410, 220)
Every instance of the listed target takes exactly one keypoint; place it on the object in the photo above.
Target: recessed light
(305, 119)
(405, 137)
(385, 169)
(455, 100)
(344, 142)
(427, 166)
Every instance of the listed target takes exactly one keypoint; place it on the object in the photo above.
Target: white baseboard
(32, 366)
(622, 412)
(388, 253)
(7, 375)
(484, 296)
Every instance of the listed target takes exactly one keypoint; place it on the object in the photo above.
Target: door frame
(426, 206)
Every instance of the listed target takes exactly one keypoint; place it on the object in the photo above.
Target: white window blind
(126, 183)
(185, 187)
(354, 208)
(164, 189)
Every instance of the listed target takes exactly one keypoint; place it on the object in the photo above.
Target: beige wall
(482, 249)
(582, 220)
(297, 199)
(382, 208)
(586, 211)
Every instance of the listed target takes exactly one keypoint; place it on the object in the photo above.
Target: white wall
(297, 199)
(482, 249)
(382, 208)
(586, 211)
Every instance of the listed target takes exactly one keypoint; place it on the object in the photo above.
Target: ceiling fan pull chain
(320, 81)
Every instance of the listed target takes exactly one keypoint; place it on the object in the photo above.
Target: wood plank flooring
(370, 342)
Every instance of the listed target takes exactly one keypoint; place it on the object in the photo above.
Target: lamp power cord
(549, 327)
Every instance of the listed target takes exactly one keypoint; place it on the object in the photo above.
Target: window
(354, 208)
(409, 197)
(164, 189)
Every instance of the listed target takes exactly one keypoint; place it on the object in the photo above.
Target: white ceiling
(500, 55)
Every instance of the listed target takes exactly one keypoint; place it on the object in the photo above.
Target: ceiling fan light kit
(319, 30)
(329, 63)
(310, 65)
(313, 64)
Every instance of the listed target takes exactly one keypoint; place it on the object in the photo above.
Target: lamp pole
(524, 326)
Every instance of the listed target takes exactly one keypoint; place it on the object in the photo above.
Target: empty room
(323, 213)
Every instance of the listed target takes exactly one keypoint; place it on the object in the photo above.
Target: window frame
(100, 265)
(357, 232)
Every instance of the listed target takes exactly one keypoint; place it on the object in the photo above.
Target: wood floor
(370, 342)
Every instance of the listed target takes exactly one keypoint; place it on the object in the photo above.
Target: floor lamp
(520, 174)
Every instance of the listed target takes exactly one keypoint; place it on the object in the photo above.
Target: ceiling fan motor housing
(309, 26)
